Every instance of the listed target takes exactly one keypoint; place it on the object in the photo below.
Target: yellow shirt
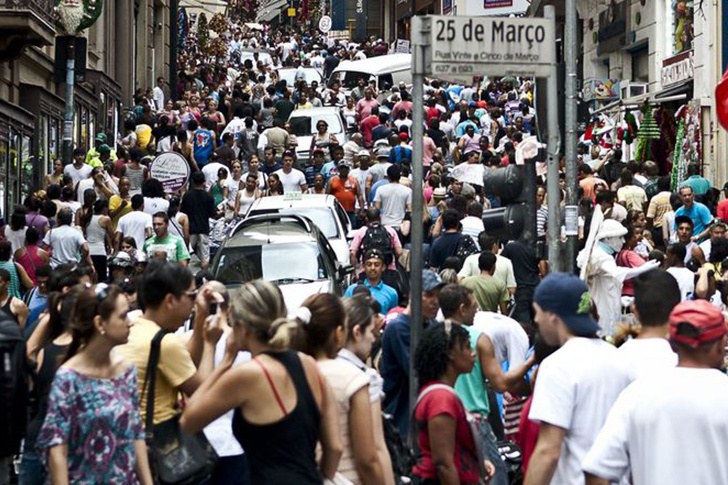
(175, 367)
(114, 203)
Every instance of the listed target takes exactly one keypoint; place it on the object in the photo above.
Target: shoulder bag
(175, 457)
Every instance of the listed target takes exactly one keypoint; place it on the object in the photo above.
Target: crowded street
(255, 242)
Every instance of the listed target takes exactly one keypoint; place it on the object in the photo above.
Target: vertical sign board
(463, 47)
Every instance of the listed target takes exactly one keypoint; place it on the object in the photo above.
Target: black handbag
(175, 457)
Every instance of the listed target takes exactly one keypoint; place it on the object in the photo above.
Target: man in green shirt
(164, 245)
(459, 308)
(490, 293)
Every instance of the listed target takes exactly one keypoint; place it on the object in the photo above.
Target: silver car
(303, 125)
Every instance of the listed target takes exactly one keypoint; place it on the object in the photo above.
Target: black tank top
(6, 308)
(52, 356)
(285, 451)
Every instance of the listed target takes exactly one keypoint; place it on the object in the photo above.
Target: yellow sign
(291, 12)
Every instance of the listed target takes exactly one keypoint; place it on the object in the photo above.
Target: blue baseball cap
(567, 296)
(431, 281)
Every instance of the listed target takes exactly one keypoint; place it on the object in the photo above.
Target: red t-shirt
(723, 210)
(527, 434)
(443, 402)
(367, 125)
(344, 191)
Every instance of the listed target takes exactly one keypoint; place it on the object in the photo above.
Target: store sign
(172, 170)
(402, 46)
(497, 3)
(678, 69)
(463, 47)
(325, 24)
(600, 90)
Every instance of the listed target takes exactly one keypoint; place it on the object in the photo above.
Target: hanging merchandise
(678, 160)
(630, 130)
(648, 132)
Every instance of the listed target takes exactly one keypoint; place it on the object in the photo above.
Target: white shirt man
(158, 97)
(671, 428)
(137, 224)
(510, 341)
(576, 385)
(393, 200)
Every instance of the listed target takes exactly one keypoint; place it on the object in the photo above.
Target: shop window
(641, 65)
(28, 179)
(680, 15)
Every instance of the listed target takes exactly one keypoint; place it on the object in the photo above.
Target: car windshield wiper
(288, 281)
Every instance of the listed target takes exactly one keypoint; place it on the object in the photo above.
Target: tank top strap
(293, 365)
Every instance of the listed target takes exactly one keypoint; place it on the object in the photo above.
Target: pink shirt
(364, 107)
(428, 150)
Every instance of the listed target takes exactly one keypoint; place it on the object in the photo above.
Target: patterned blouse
(99, 420)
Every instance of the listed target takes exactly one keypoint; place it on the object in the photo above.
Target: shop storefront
(16, 155)
(108, 94)
(47, 108)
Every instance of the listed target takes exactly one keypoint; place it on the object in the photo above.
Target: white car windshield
(306, 125)
(284, 263)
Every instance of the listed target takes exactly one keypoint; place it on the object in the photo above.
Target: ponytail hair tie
(303, 314)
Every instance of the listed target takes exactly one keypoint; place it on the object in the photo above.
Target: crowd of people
(104, 276)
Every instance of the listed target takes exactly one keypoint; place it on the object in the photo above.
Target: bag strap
(151, 378)
(420, 397)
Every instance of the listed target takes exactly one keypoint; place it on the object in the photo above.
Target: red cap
(403, 136)
(696, 322)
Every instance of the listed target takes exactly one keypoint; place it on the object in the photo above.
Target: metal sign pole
(570, 42)
(552, 174)
(420, 36)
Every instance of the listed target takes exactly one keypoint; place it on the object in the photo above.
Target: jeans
(31, 469)
(490, 449)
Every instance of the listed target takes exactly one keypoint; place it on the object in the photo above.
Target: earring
(103, 332)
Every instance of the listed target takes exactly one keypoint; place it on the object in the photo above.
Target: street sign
(463, 47)
(172, 170)
(291, 12)
(325, 24)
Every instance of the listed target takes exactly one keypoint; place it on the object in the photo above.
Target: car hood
(296, 293)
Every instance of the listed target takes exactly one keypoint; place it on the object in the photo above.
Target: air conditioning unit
(630, 89)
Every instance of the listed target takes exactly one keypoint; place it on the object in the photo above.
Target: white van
(385, 71)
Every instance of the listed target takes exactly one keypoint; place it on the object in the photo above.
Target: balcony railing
(44, 9)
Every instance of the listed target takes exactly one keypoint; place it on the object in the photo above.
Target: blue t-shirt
(699, 214)
(384, 294)
(202, 146)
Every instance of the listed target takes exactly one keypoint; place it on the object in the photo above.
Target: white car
(288, 74)
(303, 125)
(324, 210)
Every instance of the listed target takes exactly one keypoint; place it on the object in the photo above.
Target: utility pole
(174, 36)
(552, 176)
(420, 36)
(68, 112)
(570, 50)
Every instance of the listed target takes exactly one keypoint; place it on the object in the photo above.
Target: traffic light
(515, 186)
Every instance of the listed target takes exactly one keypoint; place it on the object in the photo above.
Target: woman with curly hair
(449, 454)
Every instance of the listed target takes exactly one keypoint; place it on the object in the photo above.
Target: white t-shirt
(220, 431)
(394, 199)
(134, 224)
(685, 281)
(472, 226)
(510, 341)
(575, 389)
(152, 205)
(291, 181)
(645, 356)
(66, 242)
(669, 429)
(210, 171)
(77, 174)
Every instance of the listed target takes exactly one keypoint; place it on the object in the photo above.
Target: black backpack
(403, 459)
(14, 383)
(465, 247)
(377, 237)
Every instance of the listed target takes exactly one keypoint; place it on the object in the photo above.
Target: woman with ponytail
(93, 432)
(279, 439)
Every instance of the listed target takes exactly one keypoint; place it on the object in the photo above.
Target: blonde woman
(279, 440)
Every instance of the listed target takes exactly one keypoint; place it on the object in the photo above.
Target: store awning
(271, 10)
(674, 93)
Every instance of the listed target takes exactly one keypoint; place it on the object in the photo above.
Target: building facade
(665, 55)
(127, 48)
